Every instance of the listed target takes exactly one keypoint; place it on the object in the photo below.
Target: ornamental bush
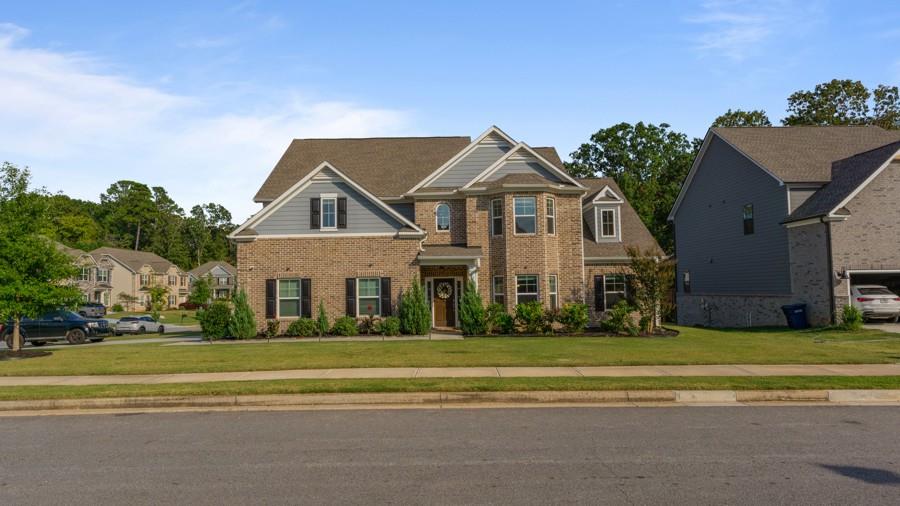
(415, 314)
(272, 328)
(574, 317)
(492, 315)
(471, 312)
(345, 326)
(389, 326)
(304, 327)
(215, 320)
(322, 321)
(530, 315)
(506, 324)
(619, 320)
(117, 308)
(851, 318)
(243, 322)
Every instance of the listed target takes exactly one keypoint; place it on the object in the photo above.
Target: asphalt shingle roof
(634, 232)
(208, 266)
(135, 259)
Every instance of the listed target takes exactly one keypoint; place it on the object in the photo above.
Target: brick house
(351, 222)
(776, 215)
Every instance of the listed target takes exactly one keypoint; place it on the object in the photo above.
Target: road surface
(682, 455)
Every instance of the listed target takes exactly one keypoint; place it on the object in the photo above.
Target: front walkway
(465, 372)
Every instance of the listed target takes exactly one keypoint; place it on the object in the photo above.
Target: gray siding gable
(523, 166)
(472, 164)
(710, 242)
(363, 215)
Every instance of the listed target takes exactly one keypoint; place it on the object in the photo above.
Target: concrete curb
(461, 399)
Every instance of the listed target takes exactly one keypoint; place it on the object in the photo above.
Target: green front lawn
(451, 385)
(169, 316)
(692, 346)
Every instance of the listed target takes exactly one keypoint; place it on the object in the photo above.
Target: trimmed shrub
(492, 315)
(368, 325)
(304, 327)
(272, 328)
(117, 308)
(574, 317)
(215, 320)
(389, 326)
(551, 316)
(471, 312)
(506, 324)
(851, 318)
(322, 321)
(243, 321)
(530, 315)
(345, 326)
(619, 320)
(415, 315)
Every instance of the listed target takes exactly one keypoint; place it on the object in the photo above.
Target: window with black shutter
(305, 298)
(351, 296)
(270, 298)
(385, 296)
(342, 212)
(315, 218)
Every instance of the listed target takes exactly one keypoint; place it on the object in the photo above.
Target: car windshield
(127, 319)
(874, 290)
(147, 318)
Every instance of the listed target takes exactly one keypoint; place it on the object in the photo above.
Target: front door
(444, 301)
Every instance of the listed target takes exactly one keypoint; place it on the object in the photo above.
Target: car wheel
(75, 336)
(83, 314)
(118, 333)
(141, 330)
(98, 340)
(8, 340)
(38, 343)
(162, 330)
(895, 319)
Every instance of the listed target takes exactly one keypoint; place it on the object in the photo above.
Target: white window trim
(494, 292)
(624, 292)
(105, 278)
(537, 286)
(449, 218)
(525, 216)
(549, 216)
(378, 296)
(617, 222)
(553, 290)
(278, 299)
(322, 198)
(494, 231)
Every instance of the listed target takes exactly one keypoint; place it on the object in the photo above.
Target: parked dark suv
(57, 326)
(92, 310)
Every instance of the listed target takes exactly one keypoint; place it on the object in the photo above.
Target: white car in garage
(876, 302)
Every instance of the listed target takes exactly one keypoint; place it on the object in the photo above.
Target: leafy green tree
(845, 102)
(322, 321)
(415, 315)
(201, 292)
(649, 163)
(159, 295)
(471, 312)
(742, 118)
(127, 208)
(652, 282)
(887, 107)
(206, 233)
(34, 274)
(164, 232)
(243, 321)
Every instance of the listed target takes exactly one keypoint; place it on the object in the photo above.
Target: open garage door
(890, 279)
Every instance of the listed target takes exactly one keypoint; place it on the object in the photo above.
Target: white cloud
(737, 28)
(81, 126)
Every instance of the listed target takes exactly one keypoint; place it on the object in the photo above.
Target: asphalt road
(689, 455)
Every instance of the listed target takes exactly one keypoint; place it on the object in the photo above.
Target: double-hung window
(329, 212)
(748, 219)
(288, 298)
(499, 290)
(145, 279)
(613, 289)
(551, 216)
(526, 288)
(525, 215)
(607, 223)
(368, 296)
(686, 282)
(173, 280)
(442, 217)
(553, 291)
(497, 217)
(103, 275)
(85, 274)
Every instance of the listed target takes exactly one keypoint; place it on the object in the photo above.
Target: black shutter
(599, 296)
(305, 298)
(271, 299)
(315, 219)
(342, 212)
(386, 297)
(351, 296)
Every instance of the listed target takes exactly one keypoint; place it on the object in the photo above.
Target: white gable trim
(696, 165)
(865, 183)
(459, 156)
(527, 149)
(602, 193)
(299, 186)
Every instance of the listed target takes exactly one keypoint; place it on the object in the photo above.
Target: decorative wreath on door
(444, 290)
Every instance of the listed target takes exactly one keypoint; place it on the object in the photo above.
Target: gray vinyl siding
(363, 216)
(406, 209)
(710, 241)
(470, 166)
(799, 196)
(523, 167)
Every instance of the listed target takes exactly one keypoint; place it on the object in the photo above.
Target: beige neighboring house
(222, 276)
(94, 276)
(134, 272)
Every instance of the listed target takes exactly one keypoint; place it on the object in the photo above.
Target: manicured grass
(451, 385)
(167, 335)
(692, 346)
(170, 316)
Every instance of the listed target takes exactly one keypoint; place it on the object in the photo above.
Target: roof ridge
(867, 151)
(380, 138)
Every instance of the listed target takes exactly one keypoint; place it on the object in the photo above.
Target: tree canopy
(742, 118)
(845, 102)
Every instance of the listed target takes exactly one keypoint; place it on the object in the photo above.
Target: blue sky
(203, 97)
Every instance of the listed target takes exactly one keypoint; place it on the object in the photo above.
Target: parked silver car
(138, 325)
(875, 302)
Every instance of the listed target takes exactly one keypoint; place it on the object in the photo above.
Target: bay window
(525, 210)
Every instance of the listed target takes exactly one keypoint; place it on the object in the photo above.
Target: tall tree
(887, 107)
(742, 118)
(843, 102)
(206, 233)
(34, 273)
(128, 208)
(164, 232)
(649, 163)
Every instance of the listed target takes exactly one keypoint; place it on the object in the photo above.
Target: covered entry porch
(445, 271)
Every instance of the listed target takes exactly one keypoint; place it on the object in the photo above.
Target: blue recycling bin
(796, 316)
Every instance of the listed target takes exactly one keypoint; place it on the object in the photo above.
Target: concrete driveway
(884, 327)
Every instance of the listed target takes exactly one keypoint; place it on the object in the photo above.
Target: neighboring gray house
(776, 215)
(222, 277)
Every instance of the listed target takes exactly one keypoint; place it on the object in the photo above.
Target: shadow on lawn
(7, 355)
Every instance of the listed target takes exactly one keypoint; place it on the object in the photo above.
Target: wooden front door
(444, 301)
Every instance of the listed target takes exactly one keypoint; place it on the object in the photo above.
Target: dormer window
(442, 217)
(608, 223)
(329, 212)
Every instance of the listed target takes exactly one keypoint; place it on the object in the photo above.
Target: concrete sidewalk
(465, 372)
